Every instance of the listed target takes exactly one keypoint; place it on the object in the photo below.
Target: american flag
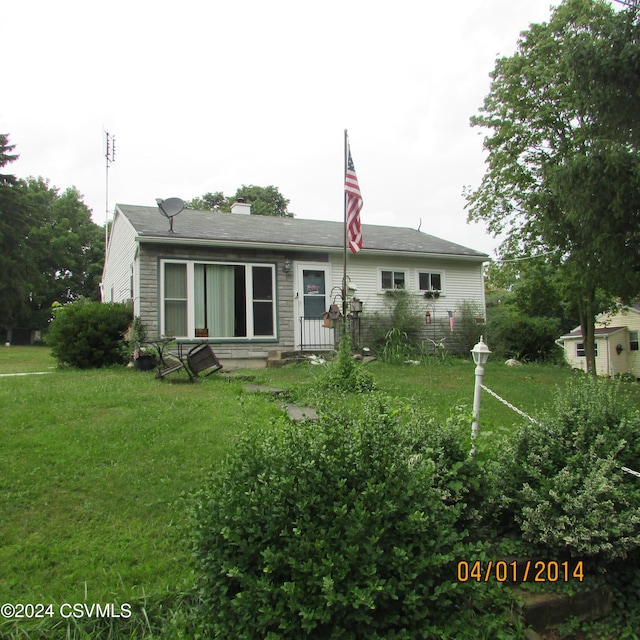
(354, 206)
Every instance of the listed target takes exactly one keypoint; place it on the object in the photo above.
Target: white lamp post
(480, 356)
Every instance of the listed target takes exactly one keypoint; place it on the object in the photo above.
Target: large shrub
(562, 481)
(528, 338)
(87, 334)
(337, 530)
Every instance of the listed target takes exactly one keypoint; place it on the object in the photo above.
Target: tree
(531, 288)
(15, 221)
(50, 250)
(65, 246)
(6, 158)
(265, 201)
(563, 174)
(209, 201)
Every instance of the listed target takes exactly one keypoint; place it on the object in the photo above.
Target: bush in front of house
(342, 529)
(562, 481)
(87, 334)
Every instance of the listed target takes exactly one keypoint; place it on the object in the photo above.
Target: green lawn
(441, 387)
(94, 464)
(25, 359)
(92, 468)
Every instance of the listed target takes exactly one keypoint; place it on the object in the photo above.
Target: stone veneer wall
(149, 260)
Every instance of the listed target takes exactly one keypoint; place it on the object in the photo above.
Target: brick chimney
(241, 206)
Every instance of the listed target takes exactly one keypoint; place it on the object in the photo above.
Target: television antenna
(110, 157)
(170, 208)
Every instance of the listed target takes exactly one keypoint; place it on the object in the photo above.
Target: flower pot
(144, 362)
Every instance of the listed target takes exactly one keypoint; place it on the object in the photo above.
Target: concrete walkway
(33, 373)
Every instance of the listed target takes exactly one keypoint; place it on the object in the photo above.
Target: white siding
(628, 361)
(121, 259)
(609, 362)
(463, 281)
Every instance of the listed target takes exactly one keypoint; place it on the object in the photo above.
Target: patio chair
(202, 359)
(199, 359)
(170, 367)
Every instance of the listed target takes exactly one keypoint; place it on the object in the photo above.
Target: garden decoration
(480, 356)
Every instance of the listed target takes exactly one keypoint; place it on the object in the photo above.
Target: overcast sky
(209, 95)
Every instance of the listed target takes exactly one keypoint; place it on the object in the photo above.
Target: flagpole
(344, 239)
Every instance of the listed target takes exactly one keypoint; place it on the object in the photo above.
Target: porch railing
(314, 335)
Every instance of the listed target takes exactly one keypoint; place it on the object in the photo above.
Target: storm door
(313, 297)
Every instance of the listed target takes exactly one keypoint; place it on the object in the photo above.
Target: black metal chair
(202, 359)
(199, 359)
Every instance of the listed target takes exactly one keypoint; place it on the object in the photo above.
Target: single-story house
(616, 343)
(253, 284)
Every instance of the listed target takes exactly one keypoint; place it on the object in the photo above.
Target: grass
(440, 387)
(25, 359)
(94, 464)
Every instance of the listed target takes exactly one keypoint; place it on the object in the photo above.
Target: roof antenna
(110, 157)
(420, 224)
(170, 208)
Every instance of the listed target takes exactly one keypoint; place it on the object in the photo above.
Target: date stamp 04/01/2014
(523, 571)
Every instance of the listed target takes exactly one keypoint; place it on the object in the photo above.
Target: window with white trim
(218, 300)
(581, 353)
(633, 341)
(392, 279)
(175, 299)
(430, 281)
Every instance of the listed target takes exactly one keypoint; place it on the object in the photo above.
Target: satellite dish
(169, 208)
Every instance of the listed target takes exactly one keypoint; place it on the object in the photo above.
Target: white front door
(312, 299)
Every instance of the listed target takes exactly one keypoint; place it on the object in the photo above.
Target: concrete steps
(543, 611)
(282, 358)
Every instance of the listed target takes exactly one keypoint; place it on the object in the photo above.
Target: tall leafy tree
(65, 246)
(210, 201)
(50, 249)
(265, 201)
(563, 168)
(16, 219)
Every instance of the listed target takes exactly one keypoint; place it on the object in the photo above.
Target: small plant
(145, 357)
(346, 374)
(397, 347)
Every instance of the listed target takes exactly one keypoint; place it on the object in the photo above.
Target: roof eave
(602, 334)
(282, 246)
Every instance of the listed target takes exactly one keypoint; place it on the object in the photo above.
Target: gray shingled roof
(233, 228)
(600, 332)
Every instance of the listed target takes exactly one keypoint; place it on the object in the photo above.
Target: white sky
(205, 95)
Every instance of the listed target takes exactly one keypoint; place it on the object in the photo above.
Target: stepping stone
(301, 414)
